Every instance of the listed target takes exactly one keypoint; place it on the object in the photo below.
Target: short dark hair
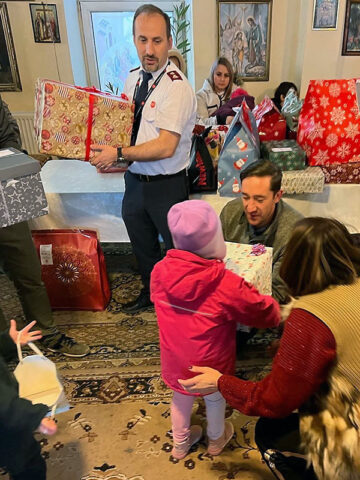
(150, 9)
(320, 253)
(263, 168)
(225, 62)
(283, 89)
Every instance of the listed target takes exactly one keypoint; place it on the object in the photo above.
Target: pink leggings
(181, 407)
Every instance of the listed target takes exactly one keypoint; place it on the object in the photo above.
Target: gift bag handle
(31, 345)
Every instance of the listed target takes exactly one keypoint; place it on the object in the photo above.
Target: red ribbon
(89, 127)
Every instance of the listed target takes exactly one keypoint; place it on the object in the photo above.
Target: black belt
(153, 178)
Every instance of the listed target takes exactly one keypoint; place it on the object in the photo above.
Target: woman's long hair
(222, 61)
(320, 253)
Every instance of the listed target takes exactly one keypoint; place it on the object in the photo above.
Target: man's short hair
(150, 9)
(264, 168)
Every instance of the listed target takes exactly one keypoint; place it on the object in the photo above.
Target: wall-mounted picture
(325, 14)
(45, 23)
(351, 40)
(9, 73)
(244, 37)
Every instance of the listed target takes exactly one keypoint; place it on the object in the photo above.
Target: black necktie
(139, 99)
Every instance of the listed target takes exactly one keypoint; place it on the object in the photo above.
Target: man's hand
(47, 426)
(204, 383)
(25, 335)
(105, 158)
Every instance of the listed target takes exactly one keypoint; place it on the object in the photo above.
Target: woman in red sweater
(316, 368)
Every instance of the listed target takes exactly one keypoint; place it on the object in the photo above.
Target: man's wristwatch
(120, 160)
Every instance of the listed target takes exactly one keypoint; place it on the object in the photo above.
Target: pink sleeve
(307, 351)
(244, 304)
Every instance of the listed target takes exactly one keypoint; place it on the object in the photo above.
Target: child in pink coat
(198, 303)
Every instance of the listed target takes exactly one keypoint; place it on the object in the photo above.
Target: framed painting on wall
(351, 39)
(325, 14)
(9, 73)
(244, 37)
(45, 23)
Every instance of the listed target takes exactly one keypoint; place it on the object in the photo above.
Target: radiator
(25, 121)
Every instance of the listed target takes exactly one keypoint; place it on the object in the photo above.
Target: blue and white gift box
(241, 147)
(22, 195)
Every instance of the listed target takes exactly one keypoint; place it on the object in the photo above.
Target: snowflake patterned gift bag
(241, 146)
(73, 269)
(22, 195)
(68, 119)
(329, 123)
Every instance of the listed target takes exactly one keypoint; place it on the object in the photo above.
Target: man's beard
(153, 66)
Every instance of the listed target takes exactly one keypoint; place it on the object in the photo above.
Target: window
(108, 39)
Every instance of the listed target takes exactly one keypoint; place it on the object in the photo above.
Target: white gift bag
(38, 380)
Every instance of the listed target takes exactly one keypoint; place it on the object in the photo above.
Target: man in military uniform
(165, 112)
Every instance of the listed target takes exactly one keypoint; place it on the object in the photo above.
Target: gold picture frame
(9, 72)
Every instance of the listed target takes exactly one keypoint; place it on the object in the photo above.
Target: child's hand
(25, 335)
(47, 426)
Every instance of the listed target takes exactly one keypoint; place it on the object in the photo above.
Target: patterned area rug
(119, 427)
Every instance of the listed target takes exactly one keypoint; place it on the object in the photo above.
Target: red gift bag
(329, 123)
(271, 124)
(73, 269)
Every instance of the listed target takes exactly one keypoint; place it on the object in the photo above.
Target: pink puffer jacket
(198, 303)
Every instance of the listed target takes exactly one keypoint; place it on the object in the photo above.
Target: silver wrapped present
(310, 180)
(22, 195)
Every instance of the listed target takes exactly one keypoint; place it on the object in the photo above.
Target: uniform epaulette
(134, 69)
(174, 75)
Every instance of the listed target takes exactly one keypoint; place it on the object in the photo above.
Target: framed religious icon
(9, 73)
(325, 14)
(351, 39)
(244, 37)
(45, 23)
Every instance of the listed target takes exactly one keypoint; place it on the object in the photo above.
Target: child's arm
(245, 305)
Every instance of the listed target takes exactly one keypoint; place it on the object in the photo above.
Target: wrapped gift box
(287, 154)
(22, 195)
(255, 269)
(69, 119)
(241, 146)
(329, 123)
(310, 180)
(271, 125)
(344, 173)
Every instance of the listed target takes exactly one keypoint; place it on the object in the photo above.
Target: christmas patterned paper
(310, 180)
(256, 270)
(21, 199)
(329, 123)
(271, 125)
(68, 119)
(241, 146)
(287, 154)
(344, 173)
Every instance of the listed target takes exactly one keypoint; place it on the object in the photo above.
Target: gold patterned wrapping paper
(256, 270)
(63, 113)
(310, 180)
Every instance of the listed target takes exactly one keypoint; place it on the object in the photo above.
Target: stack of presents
(68, 119)
(314, 141)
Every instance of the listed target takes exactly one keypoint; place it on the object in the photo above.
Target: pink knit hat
(195, 227)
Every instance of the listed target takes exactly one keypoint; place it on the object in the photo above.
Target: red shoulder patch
(174, 75)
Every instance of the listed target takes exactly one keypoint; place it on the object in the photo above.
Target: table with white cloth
(80, 197)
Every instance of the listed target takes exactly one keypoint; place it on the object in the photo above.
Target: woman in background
(215, 92)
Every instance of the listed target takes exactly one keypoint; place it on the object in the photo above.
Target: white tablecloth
(78, 196)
